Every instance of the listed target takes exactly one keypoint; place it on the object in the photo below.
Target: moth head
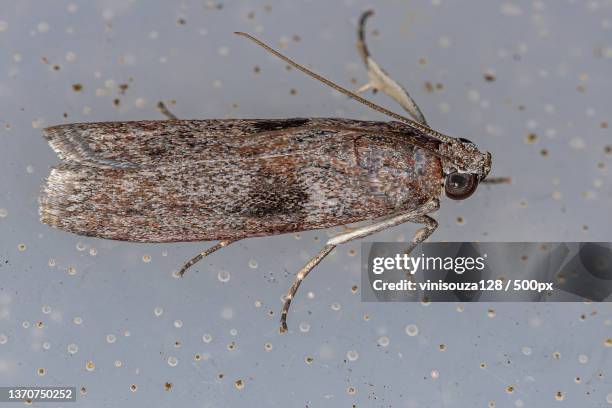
(465, 167)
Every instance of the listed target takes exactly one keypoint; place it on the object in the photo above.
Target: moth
(225, 180)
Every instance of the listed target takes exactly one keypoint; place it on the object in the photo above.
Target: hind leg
(417, 216)
(165, 111)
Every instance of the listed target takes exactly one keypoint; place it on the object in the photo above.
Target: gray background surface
(140, 326)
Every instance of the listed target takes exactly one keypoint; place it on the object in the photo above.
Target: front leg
(417, 216)
(379, 80)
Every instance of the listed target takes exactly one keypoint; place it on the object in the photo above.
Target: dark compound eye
(459, 186)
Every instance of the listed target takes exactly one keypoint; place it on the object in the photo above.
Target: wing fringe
(70, 144)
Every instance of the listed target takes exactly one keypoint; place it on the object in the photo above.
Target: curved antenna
(415, 125)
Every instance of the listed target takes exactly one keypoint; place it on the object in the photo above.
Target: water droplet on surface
(223, 276)
(412, 330)
(172, 361)
(383, 341)
(352, 355)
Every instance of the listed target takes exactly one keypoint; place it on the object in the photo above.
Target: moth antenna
(413, 124)
(497, 180)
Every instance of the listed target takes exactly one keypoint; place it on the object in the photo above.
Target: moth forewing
(257, 178)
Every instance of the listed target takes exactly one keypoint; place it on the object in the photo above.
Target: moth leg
(417, 216)
(165, 111)
(298, 281)
(201, 255)
(379, 80)
(421, 234)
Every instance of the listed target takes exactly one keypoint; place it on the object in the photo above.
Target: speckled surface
(528, 81)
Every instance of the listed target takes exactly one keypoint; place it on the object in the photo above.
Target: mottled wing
(151, 143)
(216, 186)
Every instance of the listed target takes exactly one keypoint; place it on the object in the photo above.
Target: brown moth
(200, 180)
